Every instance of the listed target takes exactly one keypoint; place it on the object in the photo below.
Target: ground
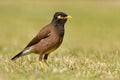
(91, 46)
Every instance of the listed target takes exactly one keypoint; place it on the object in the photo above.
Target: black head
(60, 18)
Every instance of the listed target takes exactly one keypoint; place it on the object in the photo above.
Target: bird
(48, 39)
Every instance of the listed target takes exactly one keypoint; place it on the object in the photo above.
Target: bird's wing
(44, 33)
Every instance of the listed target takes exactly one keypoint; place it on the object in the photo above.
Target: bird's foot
(41, 64)
(44, 66)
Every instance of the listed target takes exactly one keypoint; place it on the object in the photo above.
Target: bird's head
(60, 18)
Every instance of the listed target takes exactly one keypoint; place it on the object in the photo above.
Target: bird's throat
(60, 30)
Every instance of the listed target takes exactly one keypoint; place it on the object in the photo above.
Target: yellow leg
(45, 62)
(41, 64)
(45, 59)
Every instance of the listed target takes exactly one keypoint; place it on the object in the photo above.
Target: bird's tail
(17, 56)
(22, 53)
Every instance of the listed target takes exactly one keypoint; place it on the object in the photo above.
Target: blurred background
(94, 22)
(93, 30)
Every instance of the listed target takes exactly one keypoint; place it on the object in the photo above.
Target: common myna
(48, 39)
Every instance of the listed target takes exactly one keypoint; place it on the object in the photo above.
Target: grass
(91, 46)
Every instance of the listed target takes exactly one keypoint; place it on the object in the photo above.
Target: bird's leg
(40, 61)
(45, 58)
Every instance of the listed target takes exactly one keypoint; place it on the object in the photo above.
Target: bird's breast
(55, 43)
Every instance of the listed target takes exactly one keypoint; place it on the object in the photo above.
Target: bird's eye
(60, 17)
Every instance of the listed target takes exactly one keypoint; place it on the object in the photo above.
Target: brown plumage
(48, 39)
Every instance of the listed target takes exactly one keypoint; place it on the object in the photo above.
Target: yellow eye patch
(66, 17)
(60, 17)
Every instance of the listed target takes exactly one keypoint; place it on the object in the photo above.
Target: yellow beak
(68, 17)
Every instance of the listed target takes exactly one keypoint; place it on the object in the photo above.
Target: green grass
(91, 47)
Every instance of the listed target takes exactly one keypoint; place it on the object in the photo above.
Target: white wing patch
(27, 51)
